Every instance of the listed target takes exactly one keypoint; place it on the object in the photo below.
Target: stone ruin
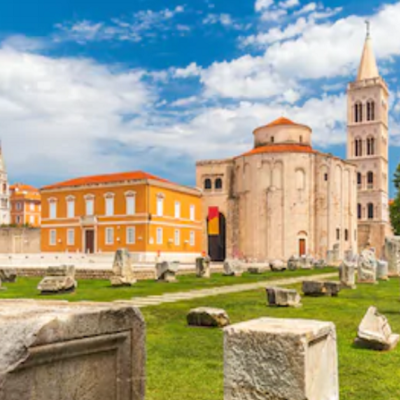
(58, 280)
(304, 262)
(57, 350)
(382, 271)
(277, 265)
(280, 297)
(208, 317)
(166, 271)
(269, 358)
(374, 332)
(347, 274)
(8, 275)
(233, 267)
(122, 269)
(392, 253)
(318, 288)
(367, 265)
(203, 269)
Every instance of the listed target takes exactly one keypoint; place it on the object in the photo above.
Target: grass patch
(101, 290)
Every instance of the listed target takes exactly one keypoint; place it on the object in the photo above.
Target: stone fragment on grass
(233, 267)
(374, 332)
(122, 269)
(280, 359)
(277, 265)
(8, 275)
(382, 271)
(319, 288)
(347, 274)
(392, 253)
(281, 297)
(367, 264)
(203, 267)
(58, 279)
(258, 269)
(166, 271)
(293, 263)
(208, 317)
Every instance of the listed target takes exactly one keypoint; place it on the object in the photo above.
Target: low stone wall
(20, 240)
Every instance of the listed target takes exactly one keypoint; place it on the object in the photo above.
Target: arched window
(301, 139)
(207, 184)
(358, 112)
(359, 211)
(346, 235)
(359, 179)
(370, 211)
(370, 180)
(218, 183)
(370, 110)
(358, 147)
(272, 139)
(370, 146)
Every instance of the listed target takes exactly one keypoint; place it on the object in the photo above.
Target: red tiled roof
(107, 178)
(21, 187)
(280, 148)
(281, 121)
(391, 201)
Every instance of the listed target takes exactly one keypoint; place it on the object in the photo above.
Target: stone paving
(195, 294)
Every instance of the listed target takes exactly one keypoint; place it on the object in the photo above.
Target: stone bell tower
(367, 148)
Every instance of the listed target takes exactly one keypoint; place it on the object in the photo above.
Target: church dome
(282, 131)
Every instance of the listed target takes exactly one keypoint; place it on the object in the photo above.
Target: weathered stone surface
(277, 265)
(392, 253)
(122, 269)
(382, 270)
(277, 296)
(280, 359)
(203, 267)
(166, 271)
(306, 262)
(58, 280)
(319, 263)
(233, 267)
(8, 275)
(367, 267)
(208, 317)
(318, 288)
(347, 274)
(293, 263)
(375, 333)
(56, 350)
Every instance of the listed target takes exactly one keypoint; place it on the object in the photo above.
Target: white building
(5, 215)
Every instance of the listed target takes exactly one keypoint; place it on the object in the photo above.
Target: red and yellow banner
(213, 221)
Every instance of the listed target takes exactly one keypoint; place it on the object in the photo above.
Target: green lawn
(101, 290)
(187, 363)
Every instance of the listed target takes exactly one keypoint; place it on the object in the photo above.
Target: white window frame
(160, 206)
(192, 239)
(52, 237)
(177, 237)
(32, 206)
(31, 219)
(177, 209)
(110, 231)
(70, 207)
(70, 237)
(192, 212)
(130, 203)
(159, 236)
(89, 199)
(109, 199)
(128, 230)
(53, 209)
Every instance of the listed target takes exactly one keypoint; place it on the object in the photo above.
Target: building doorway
(217, 243)
(302, 247)
(89, 241)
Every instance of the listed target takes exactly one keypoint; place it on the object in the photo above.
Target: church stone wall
(20, 240)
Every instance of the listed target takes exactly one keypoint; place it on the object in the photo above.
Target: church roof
(280, 148)
(368, 68)
(282, 121)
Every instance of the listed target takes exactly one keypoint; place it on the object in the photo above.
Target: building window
(325, 177)
(177, 209)
(346, 235)
(130, 235)
(5, 188)
(370, 211)
(301, 139)
(218, 183)
(370, 110)
(18, 206)
(358, 147)
(177, 237)
(207, 184)
(18, 219)
(159, 236)
(32, 206)
(359, 180)
(109, 235)
(192, 213)
(31, 219)
(89, 206)
(338, 234)
(109, 205)
(192, 238)
(70, 237)
(370, 180)
(70, 208)
(160, 206)
(4, 203)
(53, 237)
(130, 203)
(272, 139)
(53, 210)
(359, 211)
(358, 112)
(370, 146)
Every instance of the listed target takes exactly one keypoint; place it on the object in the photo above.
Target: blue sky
(92, 87)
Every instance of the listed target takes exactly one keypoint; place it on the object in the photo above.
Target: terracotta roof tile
(281, 121)
(280, 148)
(107, 178)
(22, 187)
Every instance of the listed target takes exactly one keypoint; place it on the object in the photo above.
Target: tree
(396, 179)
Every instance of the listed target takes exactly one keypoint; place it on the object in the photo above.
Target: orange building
(25, 205)
(135, 210)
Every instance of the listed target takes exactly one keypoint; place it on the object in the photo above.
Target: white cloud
(306, 9)
(273, 15)
(224, 19)
(263, 4)
(289, 3)
(191, 70)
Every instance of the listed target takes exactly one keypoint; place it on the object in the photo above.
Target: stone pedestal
(291, 359)
(232, 267)
(8, 275)
(280, 297)
(166, 271)
(58, 280)
(367, 264)
(347, 274)
(277, 265)
(56, 350)
(208, 317)
(382, 272)
(320, 288)
(392, 254)
(203, 267)
(122, 269)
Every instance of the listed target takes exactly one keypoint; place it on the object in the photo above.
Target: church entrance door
(302, 247)
(217, 243)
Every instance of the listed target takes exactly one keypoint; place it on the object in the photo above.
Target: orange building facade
(25, 202)
(134, 210)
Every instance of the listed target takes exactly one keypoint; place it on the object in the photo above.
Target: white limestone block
(291, 359)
